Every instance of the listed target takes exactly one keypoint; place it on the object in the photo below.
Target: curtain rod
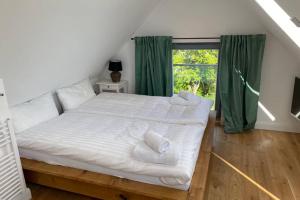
(194, 38)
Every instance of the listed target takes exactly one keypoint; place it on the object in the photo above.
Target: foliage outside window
(196, 71)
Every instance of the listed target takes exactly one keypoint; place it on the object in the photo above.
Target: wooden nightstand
(109, 86)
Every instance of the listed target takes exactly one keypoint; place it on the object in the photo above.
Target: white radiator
(12, 183)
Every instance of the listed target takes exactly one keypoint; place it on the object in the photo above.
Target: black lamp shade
(115, 66)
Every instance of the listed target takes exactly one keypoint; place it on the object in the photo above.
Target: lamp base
(115, 76)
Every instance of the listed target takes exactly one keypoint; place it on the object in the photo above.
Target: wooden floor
(272, 159)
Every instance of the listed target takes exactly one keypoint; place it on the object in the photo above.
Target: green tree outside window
(196, 71)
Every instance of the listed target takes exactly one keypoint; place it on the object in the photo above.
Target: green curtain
(239, 79)
(153, 66)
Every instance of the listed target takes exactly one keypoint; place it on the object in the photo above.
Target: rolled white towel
(144, 153)
(156, 142)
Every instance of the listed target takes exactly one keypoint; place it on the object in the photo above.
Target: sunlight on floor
(260, 187)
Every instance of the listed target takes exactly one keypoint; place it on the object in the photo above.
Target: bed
(96, 140)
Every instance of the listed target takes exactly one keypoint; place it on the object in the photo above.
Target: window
(195, 68)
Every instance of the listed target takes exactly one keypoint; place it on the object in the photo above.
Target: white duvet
(108, 141)
(148, 108)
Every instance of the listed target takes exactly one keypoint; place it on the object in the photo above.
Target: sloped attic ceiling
(49, 44)
(291, 8)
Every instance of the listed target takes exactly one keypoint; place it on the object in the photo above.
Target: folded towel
(185, 95)
(188, 96)
(144, 153)
(177, 100)
(156, 142)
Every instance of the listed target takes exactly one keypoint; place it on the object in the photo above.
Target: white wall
(46, 44)
(193, 18)
(126, 55)
(277, 84)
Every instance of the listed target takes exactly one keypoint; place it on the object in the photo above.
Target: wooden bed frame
(113, 188)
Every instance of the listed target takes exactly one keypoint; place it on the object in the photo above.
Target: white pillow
(33, 112)
(71, 97)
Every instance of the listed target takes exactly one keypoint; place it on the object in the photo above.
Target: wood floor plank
(225, 183)
(270, 158)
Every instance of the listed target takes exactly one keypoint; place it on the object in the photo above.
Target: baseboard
(278, 127)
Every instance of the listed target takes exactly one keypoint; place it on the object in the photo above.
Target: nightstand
(109, 86)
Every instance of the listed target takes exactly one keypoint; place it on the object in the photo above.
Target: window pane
(202, 56)
(196, 71)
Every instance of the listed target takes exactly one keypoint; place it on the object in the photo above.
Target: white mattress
(99, 142)
(148, 108)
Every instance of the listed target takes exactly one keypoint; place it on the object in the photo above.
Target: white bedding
(59, 160)
(107, 141)
(147, 107)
